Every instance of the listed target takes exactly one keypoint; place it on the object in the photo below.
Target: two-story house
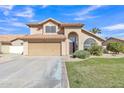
(53, 38)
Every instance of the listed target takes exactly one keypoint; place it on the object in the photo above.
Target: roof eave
(94, 35)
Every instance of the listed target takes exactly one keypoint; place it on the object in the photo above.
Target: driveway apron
(31, 72)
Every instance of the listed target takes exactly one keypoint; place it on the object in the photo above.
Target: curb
(68, 85)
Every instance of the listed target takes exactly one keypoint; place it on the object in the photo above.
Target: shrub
(96, 50)
(105, 51)
(115, 47)
(86, 49)
(81, 54)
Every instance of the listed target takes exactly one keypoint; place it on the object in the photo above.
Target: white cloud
(119, 35)
(115, 27)
(3, 29)
(44, 6)
(6, 9)
(33, 20)
(11, 27)
(18, 24)
(7, 20)
(87, 10)
(84, 13)
(13, 19)
(6, 13)
(27, 13)
(84, 17)
(11, 30)
(13, 22)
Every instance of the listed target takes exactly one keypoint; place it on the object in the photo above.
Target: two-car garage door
(44, 49)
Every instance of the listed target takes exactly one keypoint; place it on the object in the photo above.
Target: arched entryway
(89, 42)
(73, 42)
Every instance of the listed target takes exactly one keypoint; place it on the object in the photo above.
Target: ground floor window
(88, 43)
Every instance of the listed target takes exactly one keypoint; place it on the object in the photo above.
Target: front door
(73, 42)
(72, 47)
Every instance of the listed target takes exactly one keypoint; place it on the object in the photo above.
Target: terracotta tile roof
(62, 25)
(113, 39)
(71, 24)
(55, 21)
(43, 37)
(120, 39)
(33, 24)
(9, 38)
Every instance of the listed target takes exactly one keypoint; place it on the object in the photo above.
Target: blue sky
(110, 19)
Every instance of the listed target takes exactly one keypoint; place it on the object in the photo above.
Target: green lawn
(96, 73)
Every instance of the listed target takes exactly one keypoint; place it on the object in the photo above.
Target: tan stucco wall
(81, 39)
(17, 42)
(67, 30)
(25, 48)
(35, 30)
(64, 44)
(63, 47)
(44, 49)
(84, 37)
(50, 24)
(5, 48)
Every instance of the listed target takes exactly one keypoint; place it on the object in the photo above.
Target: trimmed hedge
(81, 54)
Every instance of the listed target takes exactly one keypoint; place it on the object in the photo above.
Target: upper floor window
(50, 29)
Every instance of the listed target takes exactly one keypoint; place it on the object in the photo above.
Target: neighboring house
(11, 44)
(112, 39)
(53, 38)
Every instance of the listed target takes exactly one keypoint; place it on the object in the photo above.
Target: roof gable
(50, 20)
(55, 22)
(92, 34)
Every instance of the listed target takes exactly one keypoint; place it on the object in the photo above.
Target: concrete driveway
(30, 72)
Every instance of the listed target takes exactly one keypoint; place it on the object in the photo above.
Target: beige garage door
(44, 49)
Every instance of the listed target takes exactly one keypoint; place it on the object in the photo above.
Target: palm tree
(95, 30)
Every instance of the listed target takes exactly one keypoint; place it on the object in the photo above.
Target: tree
(95, 30)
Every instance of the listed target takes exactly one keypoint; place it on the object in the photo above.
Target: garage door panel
(16, 49)
(44, 49)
